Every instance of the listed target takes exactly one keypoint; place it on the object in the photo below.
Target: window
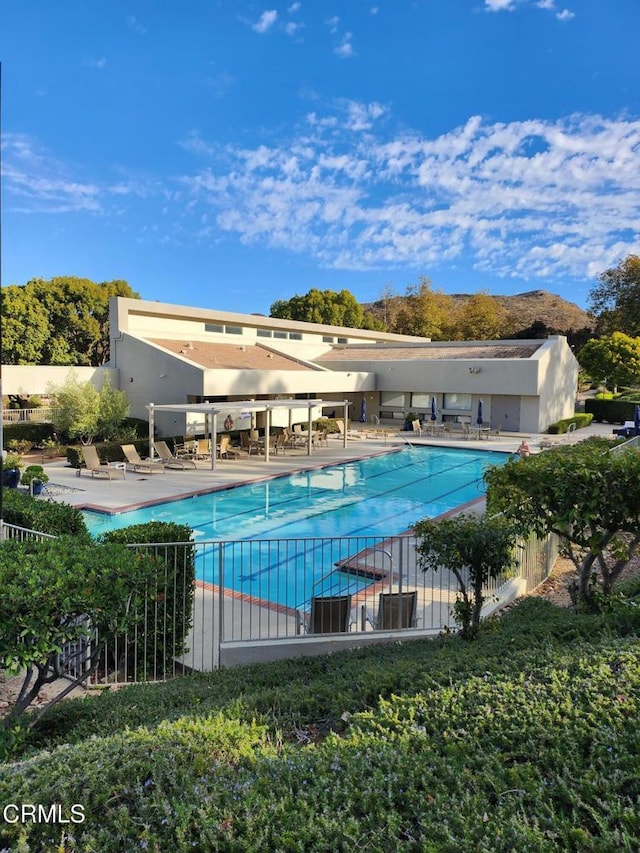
(421, 400)
(213, 327)
(392, 399)
(234, 330)
(264, 333)
(280, 335)
(327, 339)
(295, 336)
(461, 402)
(343, 340)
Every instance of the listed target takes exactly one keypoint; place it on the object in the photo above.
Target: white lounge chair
(137, 464)
(168, 459)
(94, 464)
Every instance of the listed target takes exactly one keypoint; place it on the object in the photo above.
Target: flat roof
(431, 352)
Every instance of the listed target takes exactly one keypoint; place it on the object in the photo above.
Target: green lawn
(526, 740)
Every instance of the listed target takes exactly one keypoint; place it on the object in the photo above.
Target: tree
(480, 318)
(475, 549)
(615, 359)
(113, 408)
(67, 320)
(57, 593)
(77, 407)
(25, 328)
(328, 307)
(424, 312)
(616, 298)
(586, 495)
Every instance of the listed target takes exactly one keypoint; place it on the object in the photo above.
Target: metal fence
(42, 414)
(260, 600)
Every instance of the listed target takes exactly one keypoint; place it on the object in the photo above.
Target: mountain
(525, 309)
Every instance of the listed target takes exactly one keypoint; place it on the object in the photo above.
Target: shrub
(57, 592)
(561, 427)
(35, 433)
(612, 411)
(45, 516)
(33, 472)
(169, 608)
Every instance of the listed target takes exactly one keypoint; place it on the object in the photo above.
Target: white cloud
(530, 199)
(345, 49)
(292, 28)
(565, 15)
(99, 63)
(135, 25)
(500, 5)
(333, 23)
(374, 10)
(266, 21)
(294, 7)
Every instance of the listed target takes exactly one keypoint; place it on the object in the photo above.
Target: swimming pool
(379, 496)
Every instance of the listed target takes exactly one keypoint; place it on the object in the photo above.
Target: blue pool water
(376, 497)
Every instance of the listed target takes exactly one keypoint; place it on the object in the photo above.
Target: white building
(163, 354)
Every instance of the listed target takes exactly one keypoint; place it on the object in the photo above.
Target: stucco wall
(36, 379)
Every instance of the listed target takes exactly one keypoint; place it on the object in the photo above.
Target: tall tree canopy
(615, 359)
(325, 306)
(64, 320)
(481, 318)
(425, 312)
(616, 298)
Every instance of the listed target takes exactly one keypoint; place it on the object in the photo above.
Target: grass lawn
(525, 740)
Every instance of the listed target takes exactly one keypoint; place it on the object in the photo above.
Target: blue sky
(226, 153)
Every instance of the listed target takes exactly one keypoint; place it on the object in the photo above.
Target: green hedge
(525, 742)
(45, 516)
(560, 427)
(36, 433)
(170, 603)
(612, 411)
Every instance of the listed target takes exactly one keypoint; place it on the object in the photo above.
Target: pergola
(210, 411)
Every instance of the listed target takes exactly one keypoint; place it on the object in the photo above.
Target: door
(505, 413)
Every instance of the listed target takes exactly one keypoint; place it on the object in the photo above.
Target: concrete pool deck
(141, 489)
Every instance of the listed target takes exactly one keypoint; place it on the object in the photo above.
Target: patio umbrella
(434, 409)
(479, 418)
(636, 419)
(363, 411)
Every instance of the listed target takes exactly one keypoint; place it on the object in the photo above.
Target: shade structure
(479, 418)
(434, 409)
(363, 411)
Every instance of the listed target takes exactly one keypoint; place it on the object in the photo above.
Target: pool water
(375, 497)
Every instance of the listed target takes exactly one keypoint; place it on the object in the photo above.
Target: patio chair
(203, 449)
(416, 427)
(140, 465)
(94, 464)
(330, 614)
(396, 610)
(168, 459)
(224, 449)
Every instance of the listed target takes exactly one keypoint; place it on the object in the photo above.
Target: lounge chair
(96, 466)
(396, 610)
(330, 614)
(224, 449)
(168, 459)
(350, 433)
(137, 464)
